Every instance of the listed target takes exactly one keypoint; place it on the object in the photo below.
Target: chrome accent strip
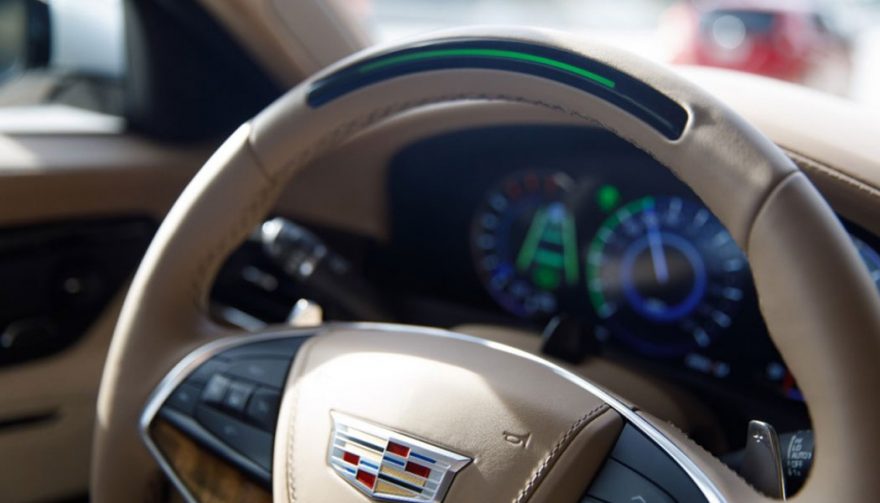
(202, 354)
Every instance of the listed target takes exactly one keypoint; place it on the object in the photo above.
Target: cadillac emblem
(388, 466)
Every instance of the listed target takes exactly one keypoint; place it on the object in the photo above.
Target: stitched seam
(814, 167)
(304, 354)
(552, 456)
(291, 430)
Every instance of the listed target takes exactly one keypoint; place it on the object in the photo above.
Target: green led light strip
(486, 53)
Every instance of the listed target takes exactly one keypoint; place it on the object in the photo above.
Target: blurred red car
(785, 39)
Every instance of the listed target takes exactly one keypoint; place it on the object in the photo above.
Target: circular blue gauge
(523, 243)
(664, 276)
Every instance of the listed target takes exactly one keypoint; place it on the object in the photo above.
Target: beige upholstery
(798, 251)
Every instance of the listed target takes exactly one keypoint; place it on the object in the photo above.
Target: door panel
(52, 181)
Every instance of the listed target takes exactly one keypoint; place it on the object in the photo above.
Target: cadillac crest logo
(388, 466)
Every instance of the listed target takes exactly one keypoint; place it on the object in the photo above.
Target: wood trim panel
(208, 478)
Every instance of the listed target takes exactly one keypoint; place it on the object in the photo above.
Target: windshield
(833, 46)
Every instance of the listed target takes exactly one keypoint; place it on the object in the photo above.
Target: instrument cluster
(574, 222)
(657, 272)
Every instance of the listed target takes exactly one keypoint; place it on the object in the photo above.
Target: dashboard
(538, 223)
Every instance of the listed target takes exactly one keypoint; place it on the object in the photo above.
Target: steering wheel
(374, 409)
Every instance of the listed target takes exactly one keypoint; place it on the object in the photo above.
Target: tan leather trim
(829, 129)
(855, 199)
(58, 177)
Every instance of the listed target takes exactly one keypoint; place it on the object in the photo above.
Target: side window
(62, 52)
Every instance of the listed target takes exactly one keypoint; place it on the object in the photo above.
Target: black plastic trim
(28, 420)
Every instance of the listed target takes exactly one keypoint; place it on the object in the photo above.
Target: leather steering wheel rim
(816, 297)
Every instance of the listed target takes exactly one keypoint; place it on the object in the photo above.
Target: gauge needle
(655, 241)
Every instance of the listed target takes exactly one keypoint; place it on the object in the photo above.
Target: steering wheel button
(246, 440)
(215, 390)
(262, 410)
(266, 371)
(618, 484)
(185, 398)
(237, 398)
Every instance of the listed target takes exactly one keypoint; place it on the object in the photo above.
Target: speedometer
(664, 276)
(524, 244)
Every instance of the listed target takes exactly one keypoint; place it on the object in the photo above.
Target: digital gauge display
(660, 274)
(524, 243)
(664, 276)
